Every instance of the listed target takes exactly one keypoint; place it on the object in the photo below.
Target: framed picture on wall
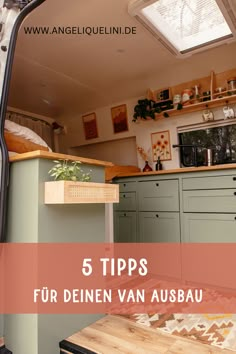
(161, 145)
(119, 118)
(90, 126)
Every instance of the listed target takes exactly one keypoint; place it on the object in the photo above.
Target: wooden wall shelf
(209, 83)
(200, 106)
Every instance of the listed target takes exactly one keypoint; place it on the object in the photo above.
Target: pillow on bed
(25, 133)
(20, 145)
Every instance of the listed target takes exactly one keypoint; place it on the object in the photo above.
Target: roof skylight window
(186, 25)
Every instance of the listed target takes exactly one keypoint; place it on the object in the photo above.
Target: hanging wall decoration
(90, 126)
(161, 149)
(119, 118)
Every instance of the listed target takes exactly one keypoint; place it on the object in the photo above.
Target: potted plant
(72, 185)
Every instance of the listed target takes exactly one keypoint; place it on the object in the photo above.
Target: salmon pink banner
(117, 278)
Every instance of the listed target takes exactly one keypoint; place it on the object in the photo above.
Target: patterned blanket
(217, 330)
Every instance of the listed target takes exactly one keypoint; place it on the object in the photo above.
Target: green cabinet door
(208, 228)
(159, 227)
(158, 195)
(125, 226)
(127, 202)
(210, 201)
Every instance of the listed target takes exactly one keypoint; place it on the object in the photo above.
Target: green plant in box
(65, 170)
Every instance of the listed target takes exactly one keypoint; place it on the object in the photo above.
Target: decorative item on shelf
(207, 115)
(196, 90)
(206, 96)
(161, 146)
(156, 102)
(187, 95)
(228, 112)
(158, 164)
(145, 157)
(220, 92)
(147, 168)
(64, 170)
(231, 85)
(176, 100)
(162, 95)
(148, 108)
(72, 185)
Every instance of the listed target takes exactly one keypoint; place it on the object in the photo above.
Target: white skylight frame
(139, 8)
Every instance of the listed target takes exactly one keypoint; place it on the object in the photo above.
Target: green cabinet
(127, 201)
(210, 201)
(125, 219)
(209, 208)
(158, 195)
(148, 211)
(158, 205)
(210, 182)
(195, 206)
(125, 226)
(159, 227)
(209, 227)
(30, 220)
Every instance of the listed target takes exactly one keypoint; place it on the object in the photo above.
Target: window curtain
(39, 126)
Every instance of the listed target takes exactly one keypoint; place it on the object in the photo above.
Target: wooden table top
(116, 335)
(56, 156)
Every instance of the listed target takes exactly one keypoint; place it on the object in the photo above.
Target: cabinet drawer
(158, 195)
(209, 228)
(217, 182)
(127, 201)
(210, 201)
(159, 227)
(128, 186)
(125, 229)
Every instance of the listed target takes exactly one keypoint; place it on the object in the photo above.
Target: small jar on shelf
(187, 95)
(232, 85)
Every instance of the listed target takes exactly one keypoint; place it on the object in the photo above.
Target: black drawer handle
(123, 195)
(124, 185)
(235, 218)
(157, 216)
(157, 184)
(124, 214)
(234, 178)
(234, 193)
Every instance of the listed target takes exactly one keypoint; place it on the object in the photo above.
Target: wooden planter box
(68, 192)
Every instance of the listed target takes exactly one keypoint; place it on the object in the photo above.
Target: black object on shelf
(158, 165)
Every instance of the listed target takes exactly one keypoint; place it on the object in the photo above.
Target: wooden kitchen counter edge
(56, 156)
(180, 170)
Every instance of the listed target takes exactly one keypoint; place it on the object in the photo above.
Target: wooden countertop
(38, 154)
(180, 170)
(115, 334)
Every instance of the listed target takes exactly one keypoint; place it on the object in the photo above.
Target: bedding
(20, 139)
(20, 145)
(24, 132)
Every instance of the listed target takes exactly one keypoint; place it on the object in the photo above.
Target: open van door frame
(13, 12)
